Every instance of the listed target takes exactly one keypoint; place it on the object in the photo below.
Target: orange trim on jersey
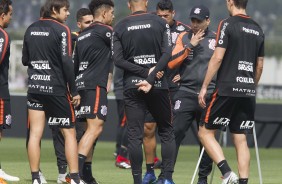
(181, 23)
(72, 110)
(103, 25)
(1, 111)
(210, 106)
(244, 16)
(123, 121)
(179, 52)
(6, 40)
(69, 34)
(218, 30)
(97, 100)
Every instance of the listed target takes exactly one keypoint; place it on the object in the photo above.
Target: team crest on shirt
(177, 105)
(108, 34)
(104, 110)
(180, 28)
(8, 119)
(212, 43)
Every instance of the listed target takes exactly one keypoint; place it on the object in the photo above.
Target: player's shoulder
(180, 26)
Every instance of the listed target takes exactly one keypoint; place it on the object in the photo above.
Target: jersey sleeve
(4, 42)
(261, 49)
(66, 55)
(222, 34)
(166, 54)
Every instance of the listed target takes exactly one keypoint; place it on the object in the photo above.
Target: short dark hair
(56, 4)
(4, 6)
(164, 5)
(81, 13)
(94, 5)
(241, 3)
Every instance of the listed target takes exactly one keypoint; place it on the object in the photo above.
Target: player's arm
(25, 54)
(118, 59)
(259, 68)
(183, 47)
(5, 41)
(68, 66)
(166, 54)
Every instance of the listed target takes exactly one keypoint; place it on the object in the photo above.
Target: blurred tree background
(266, 12)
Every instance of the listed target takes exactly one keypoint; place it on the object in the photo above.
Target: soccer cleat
(149, 178)
(168, 182)
(42, 178)
(122, 162)
(2, 181)
(80, 182)
(8, 177)
(231, 179)
(36, 181)
(91, 181)
(202, 182)
(157, 163)
(63, 178)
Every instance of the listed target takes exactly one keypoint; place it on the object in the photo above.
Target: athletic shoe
(149, 178)
(168, 182)
(73, 182)
(63, 178)
(231, 179)
(8, 177)
(202, 182)
(36, 181)
(2, 181)
(157, 163)
(91, 181)
(122, 162)
(42, 178)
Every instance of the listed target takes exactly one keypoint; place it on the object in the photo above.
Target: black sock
(35, 175)
(137, 178)
(223, 167)
(87, 171)
(123, 152)
(62, 169)
(81, 160)
(243, 181)
(75, 177)
(150, 168)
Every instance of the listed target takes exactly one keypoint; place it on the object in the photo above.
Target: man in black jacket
(51, 87)
(142, 47)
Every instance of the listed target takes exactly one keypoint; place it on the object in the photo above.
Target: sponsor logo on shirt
(79, 76)
(37, 77)
(247, 124)
(83, 37)
(108, 34)
(145, 59)
(174, 36)
(158, 84)
(34, 105)
(137, 27)
(246, 80)
(250, 92)
(45, 89)
(80, 85)
(83, 66)
(221, 121)
(168, 35)
(250, 31)
(84, 109)
(64, 43)
(222, 33)
(40, 65)
(35, 33)
(59, 121)
(245, 66)
(1, 44)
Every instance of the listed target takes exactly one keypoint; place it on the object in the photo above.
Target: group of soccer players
(168, 73)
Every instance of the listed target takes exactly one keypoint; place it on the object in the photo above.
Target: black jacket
(48, 54)
(4, 64)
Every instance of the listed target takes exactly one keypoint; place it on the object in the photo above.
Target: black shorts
(235, 112)
(148, 117)
(94, 103)
(58, 109)
(5, 114)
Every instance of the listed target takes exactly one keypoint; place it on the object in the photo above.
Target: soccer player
(192, 53)
(93, 66)
(51, 87)
(84, 18)
(165, 10)
(142, 48)
(238, 61)
(6, 11)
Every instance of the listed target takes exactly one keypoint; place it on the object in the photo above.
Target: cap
(200, 12)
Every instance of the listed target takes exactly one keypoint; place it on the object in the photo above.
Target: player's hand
(176, 78)
(196, 38)
(160, 74)
(76, 100)
(144, 86)
(202, 98)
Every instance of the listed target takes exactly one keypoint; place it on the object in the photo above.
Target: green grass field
(14, 161)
